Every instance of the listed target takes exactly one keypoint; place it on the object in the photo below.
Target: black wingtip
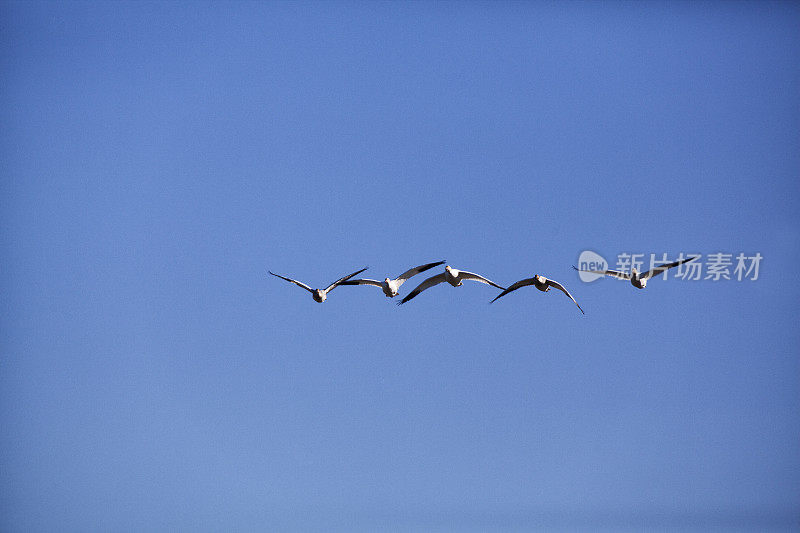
(430, 266)
(407, 298)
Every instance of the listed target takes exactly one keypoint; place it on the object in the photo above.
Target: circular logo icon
(589, 260)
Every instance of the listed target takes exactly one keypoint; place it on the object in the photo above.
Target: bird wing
(475, 277)
(414, 271)
(338, 281)
(362, 282)
(306, 287)
(517, 285)
(661, 268)
(560, 287)
(430, 282)
(612, 273)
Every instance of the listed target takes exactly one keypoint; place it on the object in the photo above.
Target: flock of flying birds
(455, 278)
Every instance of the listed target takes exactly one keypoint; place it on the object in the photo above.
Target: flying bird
(541, 283)
(639, 280)
(391, 286)
(319, 295)
(453, 277)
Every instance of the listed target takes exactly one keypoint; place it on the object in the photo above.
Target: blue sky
(158, 158)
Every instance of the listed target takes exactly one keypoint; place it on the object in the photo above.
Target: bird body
(319, 295)
(637, 280)
(540, 282)
(390, 287)
(453, 277)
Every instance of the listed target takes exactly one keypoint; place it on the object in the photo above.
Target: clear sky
(159, 158)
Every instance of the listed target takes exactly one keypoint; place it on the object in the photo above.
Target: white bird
(391, 286)
(639, 280)
(453, 277)
(319, 295)
(541, 283)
